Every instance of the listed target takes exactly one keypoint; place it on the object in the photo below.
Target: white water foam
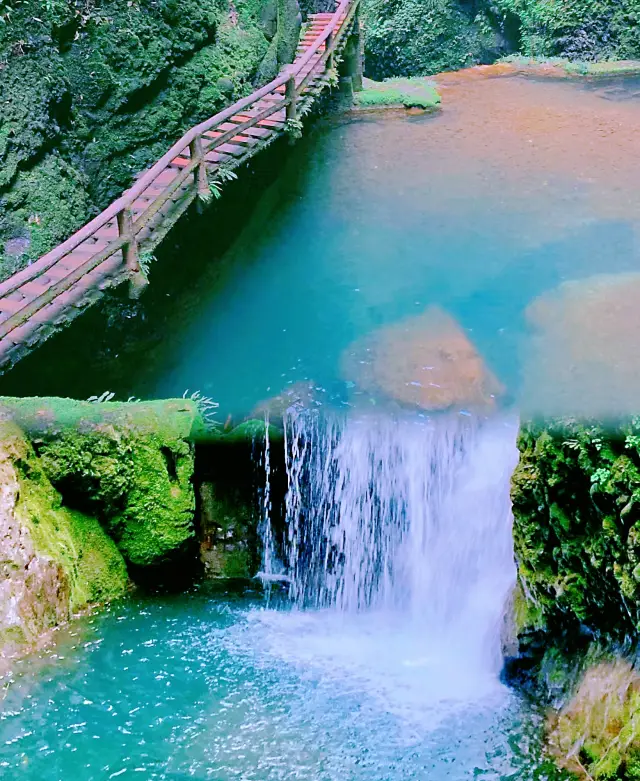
(400, 558)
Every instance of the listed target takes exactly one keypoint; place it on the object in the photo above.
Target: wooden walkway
(42, 298)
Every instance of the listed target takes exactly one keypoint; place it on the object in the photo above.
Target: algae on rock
(53, 560)
(131, 465)
(596, 735)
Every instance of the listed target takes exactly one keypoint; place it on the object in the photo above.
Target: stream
(495, 244)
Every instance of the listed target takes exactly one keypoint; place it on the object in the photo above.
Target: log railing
(191, 159)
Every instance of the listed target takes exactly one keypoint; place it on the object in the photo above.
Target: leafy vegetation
(422, 37)
(576, 500)
(579, 30)
(92, 92)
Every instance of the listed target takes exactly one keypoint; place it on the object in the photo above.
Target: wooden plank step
(24, 334)
(12, 305)
(180, 162)
(34, 288)
(231, 149)
(216, 157)
(109, 231)
(56, 273)
(162, 179)
(240, 139)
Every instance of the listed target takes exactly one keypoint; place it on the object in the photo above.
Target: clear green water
(208, 687)
(370, 221)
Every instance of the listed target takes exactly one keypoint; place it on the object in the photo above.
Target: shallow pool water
(517, 187)
(208, 687)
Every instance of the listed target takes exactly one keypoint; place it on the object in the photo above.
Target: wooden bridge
(42, 298)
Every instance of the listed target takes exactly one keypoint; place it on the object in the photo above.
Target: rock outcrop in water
(426, 361)
(53, 560)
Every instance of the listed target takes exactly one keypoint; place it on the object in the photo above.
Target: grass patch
(410, 93)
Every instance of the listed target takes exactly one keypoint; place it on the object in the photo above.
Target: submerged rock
(53, 560)
(584, 355)
(426, 361)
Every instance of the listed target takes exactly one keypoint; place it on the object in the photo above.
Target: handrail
(124, 202)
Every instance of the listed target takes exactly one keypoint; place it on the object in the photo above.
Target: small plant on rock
(293, 128)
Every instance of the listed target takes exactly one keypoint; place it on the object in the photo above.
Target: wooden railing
(190, 160)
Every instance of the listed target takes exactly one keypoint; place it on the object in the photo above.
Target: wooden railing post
(290, 95)
(200, 174)
(329, 48)
(130, 251)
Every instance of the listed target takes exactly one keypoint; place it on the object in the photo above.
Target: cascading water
(403, 524)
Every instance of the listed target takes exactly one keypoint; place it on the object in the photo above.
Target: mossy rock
(138, 483)
(407, 93)
(129, 464)
(596, 735)
(93, 568)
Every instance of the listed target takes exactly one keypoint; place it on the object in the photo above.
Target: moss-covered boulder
(53, 560)
(131, 465)
(576, 504)
(596, 735)
(407, 93)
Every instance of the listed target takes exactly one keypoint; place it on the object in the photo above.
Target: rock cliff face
(421, 37)
(93, 92)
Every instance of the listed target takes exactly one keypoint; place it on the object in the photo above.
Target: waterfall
(404, 516)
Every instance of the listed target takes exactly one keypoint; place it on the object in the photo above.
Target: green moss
(597, 733)
(422, 37)
(584, 30)
(139, 483)
(47, 204)
(157, 517)
(576, 502)
(130, 464)
(410, 93)
(92, 93)
(93, 567)
(236, 564)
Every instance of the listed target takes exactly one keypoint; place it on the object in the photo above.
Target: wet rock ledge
(95, 497)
